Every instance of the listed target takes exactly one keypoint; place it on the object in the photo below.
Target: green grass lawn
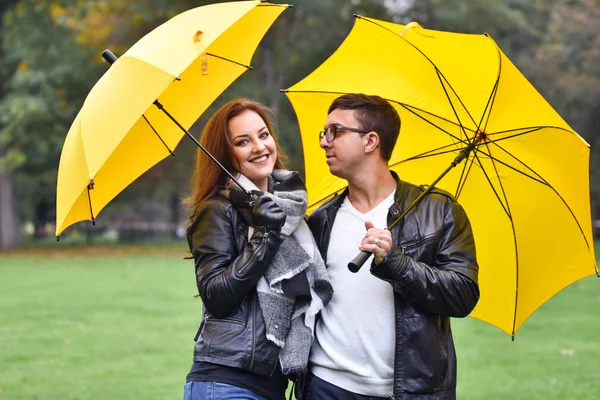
(118, 323)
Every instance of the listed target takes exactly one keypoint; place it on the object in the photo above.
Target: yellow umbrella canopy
(524, 185)
(184, 64)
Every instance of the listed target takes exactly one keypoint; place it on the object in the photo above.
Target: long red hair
(208, 177)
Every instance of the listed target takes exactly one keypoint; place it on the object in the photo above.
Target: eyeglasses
(330, 132)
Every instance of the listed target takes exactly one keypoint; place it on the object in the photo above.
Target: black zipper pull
(262, 245)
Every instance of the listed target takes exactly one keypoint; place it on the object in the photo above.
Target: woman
(257, 265)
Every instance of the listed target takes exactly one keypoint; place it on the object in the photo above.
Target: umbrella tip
(57, 238)
(356, 16)
(283, 91)
(109, 56)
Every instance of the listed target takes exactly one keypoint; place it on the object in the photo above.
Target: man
(386, 332)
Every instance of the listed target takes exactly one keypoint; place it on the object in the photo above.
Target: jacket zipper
(417, 243)
(253, 331)
(264, 240)
(228, 319)
(260, 246)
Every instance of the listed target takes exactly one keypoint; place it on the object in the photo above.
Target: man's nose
(324, 143)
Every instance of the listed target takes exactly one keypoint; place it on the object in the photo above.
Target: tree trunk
(9, 233)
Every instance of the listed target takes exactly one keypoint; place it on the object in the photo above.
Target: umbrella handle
(358, 261)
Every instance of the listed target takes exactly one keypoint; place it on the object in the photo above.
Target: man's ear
(371, 142)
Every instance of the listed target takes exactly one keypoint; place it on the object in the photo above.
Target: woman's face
(254, 147)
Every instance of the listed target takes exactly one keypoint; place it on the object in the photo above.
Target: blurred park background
(109, 313)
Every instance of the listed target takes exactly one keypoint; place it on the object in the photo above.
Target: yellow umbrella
(524, 183)
(182, 66)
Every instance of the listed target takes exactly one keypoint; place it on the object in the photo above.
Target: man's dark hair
(375, 114)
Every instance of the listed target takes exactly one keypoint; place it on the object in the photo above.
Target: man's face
(346, 152)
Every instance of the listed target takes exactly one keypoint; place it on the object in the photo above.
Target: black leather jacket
(228, 267)
(433, 271)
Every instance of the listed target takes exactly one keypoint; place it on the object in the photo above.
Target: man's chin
(338, 172)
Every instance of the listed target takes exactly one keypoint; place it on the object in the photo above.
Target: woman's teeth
(261, 159)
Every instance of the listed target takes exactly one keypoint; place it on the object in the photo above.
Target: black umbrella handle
(358, 261)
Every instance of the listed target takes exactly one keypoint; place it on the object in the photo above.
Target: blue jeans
(217, 391)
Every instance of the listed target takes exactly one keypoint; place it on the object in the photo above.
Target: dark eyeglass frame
(338, 128)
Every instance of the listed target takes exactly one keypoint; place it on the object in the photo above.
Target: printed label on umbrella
(202, 50)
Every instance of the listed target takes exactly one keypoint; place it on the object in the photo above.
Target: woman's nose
(258, 146)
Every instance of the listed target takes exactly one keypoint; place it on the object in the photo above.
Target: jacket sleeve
(450, 286)
(224, 280)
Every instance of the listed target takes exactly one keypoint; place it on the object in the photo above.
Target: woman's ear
(371, 142)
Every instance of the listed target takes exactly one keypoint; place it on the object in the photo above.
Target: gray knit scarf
(288, 310)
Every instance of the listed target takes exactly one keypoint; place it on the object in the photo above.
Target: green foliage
(508, 22)
(51, 59)
(45, 90)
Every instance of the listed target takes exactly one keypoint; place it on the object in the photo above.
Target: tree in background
(50, 59)
(52, 74)
(8, 215)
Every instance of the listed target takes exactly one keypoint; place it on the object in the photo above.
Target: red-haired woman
(259, 273)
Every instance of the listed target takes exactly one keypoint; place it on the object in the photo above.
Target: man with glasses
(386, 332)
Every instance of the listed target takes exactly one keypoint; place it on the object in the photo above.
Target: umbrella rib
(430, 61)
(161, 139)
(433, 115)
(492, 98)
(461, 181)
(410, 109)
(440, 76)
(231, 61)
(427, 154)
(546, 183)
(506, 210)
(533, 129)
(512, 225)
(403, 105)
(538, 179)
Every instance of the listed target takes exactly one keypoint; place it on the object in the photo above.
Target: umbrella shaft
(161, 107)
(110, 57)
(464, 153)
(359, 260)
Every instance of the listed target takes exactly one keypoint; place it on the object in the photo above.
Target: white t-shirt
(355, 336)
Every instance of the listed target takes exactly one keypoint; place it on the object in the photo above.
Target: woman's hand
(266, 213)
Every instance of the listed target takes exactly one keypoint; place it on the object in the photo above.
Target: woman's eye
(264, 135)
(242, 142)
